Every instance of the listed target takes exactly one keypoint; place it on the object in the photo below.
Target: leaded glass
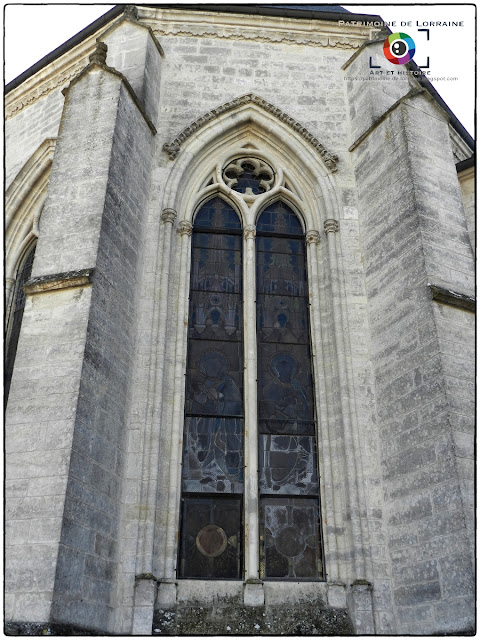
(279, 218)
(213, 455)
(285, 385)
(290, 534)
(214, 378)
(289, 539)
(287, 465)
(282, 319)
(211, 538)
(213, 440)
(217, 215)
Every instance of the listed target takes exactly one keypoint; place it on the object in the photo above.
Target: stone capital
(331, 226)
(169, 215)
(312, 236)
(249, 232)
(185, 228)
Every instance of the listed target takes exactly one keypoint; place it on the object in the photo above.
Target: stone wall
(96, 398)
(409, 241)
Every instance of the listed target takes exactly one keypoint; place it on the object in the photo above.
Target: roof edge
(66, 46)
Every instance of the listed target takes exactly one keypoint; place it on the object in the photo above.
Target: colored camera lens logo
(399, 48)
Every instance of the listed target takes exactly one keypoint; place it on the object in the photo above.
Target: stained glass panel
(213, 440)
(211, 538)
(282, 319)
(214, 378)
(216, 214)
(279, 218)
(287, 465)
(290, 534)
(285, 385)
(289, 539)
(213, 455)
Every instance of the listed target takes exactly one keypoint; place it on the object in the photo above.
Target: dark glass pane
(211, 538)
(289, 539)
(215, 269)
(18, 306)
(213, 455)
(279, 218)
(214, 378)
(215, 316)
(285, 385)
(217, 214)
(213, 441)
(287, 465)
(280, 273)
(282, 319)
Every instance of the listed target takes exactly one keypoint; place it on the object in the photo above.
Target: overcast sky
(33, 30)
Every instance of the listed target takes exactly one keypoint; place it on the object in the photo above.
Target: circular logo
(399, 48)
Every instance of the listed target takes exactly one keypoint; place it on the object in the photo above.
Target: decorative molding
(454, 298)
(331, 226)
(330, 41)
(56, 281)
(312, 237)
(173, 148)
(169, 215)
(43, 89)
(249, 232)
(185, 228)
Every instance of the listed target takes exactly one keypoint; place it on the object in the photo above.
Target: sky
(34, 30)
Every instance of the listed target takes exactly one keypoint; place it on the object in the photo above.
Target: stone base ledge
(55, 281)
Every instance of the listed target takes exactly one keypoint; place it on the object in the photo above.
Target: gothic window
(288, 479)
(15, 322)
(213, 442)
(214, 505)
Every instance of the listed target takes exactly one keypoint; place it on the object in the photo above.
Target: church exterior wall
(101, 357)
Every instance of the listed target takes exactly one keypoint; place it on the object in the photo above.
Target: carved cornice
(185, 228)
(312, 237)
(249, 232)
(169, 215)
(329, 41)
(42, 89)
(173, 147)
(166, 21)
(331, 226)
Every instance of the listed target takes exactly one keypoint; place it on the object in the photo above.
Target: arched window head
(16, 315)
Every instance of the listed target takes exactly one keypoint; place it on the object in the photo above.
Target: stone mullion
(251, 418)
(173, 490)
(325, 456)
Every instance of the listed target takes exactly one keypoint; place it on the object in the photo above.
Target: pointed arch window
(15, 322)
(288, 476)
(213, 442)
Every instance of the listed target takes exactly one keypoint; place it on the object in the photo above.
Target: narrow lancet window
(15, 323)
(288, 477)
(213, 459)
